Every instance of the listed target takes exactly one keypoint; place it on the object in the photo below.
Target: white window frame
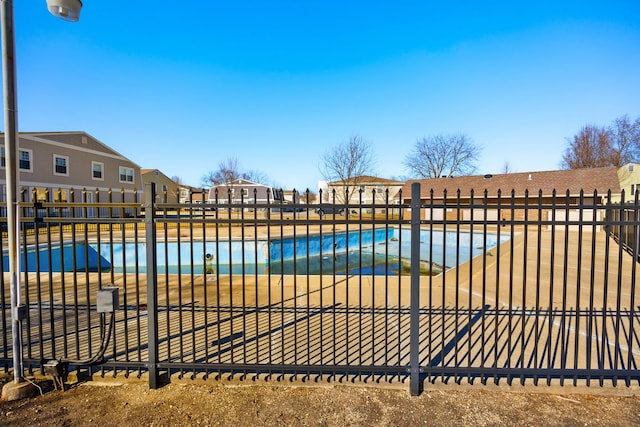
(93, 164)
(30, 152)
(3, 156)
(125, 169)
(55, 165)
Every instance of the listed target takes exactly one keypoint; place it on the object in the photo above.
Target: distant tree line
(443, 155)
(457, 154)
(229, 171)
(600, 146)
(431, 157)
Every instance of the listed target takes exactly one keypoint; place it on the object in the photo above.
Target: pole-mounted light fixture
(69, 10)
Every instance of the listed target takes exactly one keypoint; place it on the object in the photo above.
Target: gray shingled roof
(573, 180)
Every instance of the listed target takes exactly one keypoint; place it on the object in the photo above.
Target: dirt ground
(127, 402)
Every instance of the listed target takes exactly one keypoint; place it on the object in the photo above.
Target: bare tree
(506, 168)
(177, 179)
(594, 146)
(590, 148)
(345, 163)
(443, 155)
(256, 176)
(625, 138)
(228, 172)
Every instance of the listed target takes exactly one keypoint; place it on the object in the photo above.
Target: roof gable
(78, 140)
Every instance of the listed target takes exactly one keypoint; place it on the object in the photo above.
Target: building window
(126, 175)
(24, 160)
(97, 169)
(60, 165)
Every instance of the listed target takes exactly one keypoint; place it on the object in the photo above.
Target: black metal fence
(627, 212)
(448, 288)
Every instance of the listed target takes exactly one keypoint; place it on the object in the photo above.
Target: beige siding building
(58, 166)
(189, 194)
(167, 190)
(293, 196)
(241, 190)
(362, 190)
(629, 176)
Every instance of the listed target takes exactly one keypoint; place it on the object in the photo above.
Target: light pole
(68, 10)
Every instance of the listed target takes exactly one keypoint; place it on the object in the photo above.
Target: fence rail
(626, 236)
(491, 288)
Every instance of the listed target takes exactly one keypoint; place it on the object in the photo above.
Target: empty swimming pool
(379, 251)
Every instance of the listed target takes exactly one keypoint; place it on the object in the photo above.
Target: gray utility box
(107, 299)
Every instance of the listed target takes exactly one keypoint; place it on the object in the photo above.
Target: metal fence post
(152, 285)
(414, 337)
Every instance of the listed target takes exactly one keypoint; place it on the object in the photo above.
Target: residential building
(564, 188)
(166, 188)
(629, 177)
(189, 194)
(361, 190)
(241, 191)
(71, 167)
(293, 196)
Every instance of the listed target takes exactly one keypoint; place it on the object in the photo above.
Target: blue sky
(182, 86)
